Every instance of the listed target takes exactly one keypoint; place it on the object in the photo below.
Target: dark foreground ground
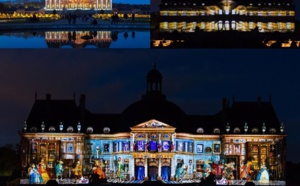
(150, 183)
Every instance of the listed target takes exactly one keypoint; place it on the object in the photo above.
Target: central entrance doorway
(166, 169)
(139, 169)
(153, 169)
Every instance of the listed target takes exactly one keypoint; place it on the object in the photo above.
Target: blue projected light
(153, 146)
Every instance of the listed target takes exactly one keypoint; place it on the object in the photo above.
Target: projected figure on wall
(120, 168)
(59, 170)
(166, 146)
(34, 176)
(43, 171)
(126, 146)
(179, 172)
(263, 175)
(165, 170)
(140, 173)
(140, 146)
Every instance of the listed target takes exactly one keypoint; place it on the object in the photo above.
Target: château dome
(153, 104)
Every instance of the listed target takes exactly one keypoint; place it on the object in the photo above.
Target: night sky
(155, 3)
(196, 80)
(132, 1)
(119, 1)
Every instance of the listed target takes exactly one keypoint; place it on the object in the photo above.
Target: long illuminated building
(152, 138)
(78, 5)
(225, 15)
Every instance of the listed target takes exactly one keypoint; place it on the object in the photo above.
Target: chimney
(82, 101)
(225, 102)
(48, 97)
(82, 107)
(224, 110)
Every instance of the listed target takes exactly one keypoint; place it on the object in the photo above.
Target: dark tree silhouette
(9, 159)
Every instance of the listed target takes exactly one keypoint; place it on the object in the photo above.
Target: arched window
(51, 129)
(255, 130)
(272, 130)
(236, 130)
(89, 130)
(33, 129)
(200, 130)
(106, 130)
(217, 131)
(70, 129)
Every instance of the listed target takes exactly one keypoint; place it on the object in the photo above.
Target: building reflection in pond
(80, 39)
(75, 39)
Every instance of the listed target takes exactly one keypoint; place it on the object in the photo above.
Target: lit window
(250, 4)
(194, 4)
(203, 4)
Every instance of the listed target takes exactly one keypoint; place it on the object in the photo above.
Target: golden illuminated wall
(78, 4)
(188, 21)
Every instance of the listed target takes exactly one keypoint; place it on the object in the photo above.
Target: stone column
(132, 142)
(146, 141)
(146, 169)
(132, 168)
(186, 146)
(120, 146)
(159, 141)
(173, 168)
(159, 169)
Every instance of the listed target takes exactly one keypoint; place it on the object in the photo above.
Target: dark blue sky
(196, 80)
(120, 1)
(132, 1)
(155, 3)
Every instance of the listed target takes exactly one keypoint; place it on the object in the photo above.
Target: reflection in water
(79, 39)
(125, 35)
(76, 39)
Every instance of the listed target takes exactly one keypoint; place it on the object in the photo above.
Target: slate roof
(153, 105)
(254, 113)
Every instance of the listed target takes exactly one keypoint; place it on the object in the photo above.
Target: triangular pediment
(152, 124)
